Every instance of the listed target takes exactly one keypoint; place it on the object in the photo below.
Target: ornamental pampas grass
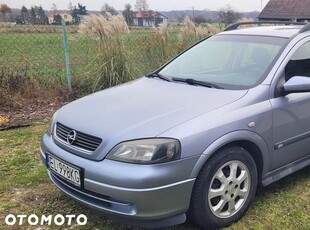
(111, 64)
(162, 31)
(190, 33)
(188, 28)
(103, 27)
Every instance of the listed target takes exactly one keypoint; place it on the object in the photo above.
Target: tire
(222, 194)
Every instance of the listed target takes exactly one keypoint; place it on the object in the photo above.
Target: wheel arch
(248, 140)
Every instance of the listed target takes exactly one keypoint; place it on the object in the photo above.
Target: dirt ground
(28, 113)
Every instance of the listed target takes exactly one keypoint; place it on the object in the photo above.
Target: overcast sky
(161, 5)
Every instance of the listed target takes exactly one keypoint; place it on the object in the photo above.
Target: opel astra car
(193, 139)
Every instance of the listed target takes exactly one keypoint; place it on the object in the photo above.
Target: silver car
(194, 138)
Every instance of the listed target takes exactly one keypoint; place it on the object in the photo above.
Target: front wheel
(224, 188)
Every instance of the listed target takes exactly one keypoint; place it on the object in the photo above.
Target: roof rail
(236, 26)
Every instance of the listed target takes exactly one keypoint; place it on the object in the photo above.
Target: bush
(190, 33)
(111, 64)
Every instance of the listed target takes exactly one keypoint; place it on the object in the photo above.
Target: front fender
(240, 135)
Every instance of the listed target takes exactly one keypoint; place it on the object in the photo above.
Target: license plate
(64, 170)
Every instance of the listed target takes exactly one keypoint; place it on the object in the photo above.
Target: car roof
(274, 31)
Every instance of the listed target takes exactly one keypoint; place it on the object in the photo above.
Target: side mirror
(297, 84)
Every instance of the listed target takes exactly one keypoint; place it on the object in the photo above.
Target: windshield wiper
(158, 75)
(192, 81)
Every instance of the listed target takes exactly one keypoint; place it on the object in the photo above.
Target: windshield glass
(230, 61)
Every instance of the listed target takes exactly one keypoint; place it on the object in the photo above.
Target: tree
(81, 9)
(24, 15)
(54, 8)
(74, 14)
(76, 11)
(200, 19)
(37, 15)
(128, 14)
(107, 8)
(70, 7)
(33, 15)
(42, 19)
(141, 5)
(18, 20)
(57, 19)
(5, 10)
(228, 15)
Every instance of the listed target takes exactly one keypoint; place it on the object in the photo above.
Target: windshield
(230, 61)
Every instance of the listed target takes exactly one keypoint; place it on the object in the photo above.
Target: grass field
(41, 55)
(45, 50)
(37, 53)
(26, 189)
(32, 62)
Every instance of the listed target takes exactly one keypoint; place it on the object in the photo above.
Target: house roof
(152, 14)
(286, 9)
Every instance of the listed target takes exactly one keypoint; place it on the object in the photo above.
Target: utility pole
(193, 13)
(261, 5)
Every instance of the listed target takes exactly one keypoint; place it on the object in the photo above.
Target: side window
(299, 65)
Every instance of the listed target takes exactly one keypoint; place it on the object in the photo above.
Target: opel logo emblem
(71, 137)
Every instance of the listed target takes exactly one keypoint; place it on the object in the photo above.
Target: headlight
(147, 151)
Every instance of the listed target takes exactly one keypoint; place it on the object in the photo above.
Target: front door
(291, 114)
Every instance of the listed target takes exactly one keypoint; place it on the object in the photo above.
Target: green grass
(26, 189)
(41, 55)
(19, 162)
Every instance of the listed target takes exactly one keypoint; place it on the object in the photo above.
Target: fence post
(68, 66)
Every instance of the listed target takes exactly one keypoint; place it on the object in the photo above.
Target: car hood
(143, 108)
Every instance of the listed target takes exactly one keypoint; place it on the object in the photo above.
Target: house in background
(149, 19)
(286, 10)
(67, 17)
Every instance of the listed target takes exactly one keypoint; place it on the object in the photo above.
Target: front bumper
(142, 195)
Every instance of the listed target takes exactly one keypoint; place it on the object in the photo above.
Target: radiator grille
(82, 141)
